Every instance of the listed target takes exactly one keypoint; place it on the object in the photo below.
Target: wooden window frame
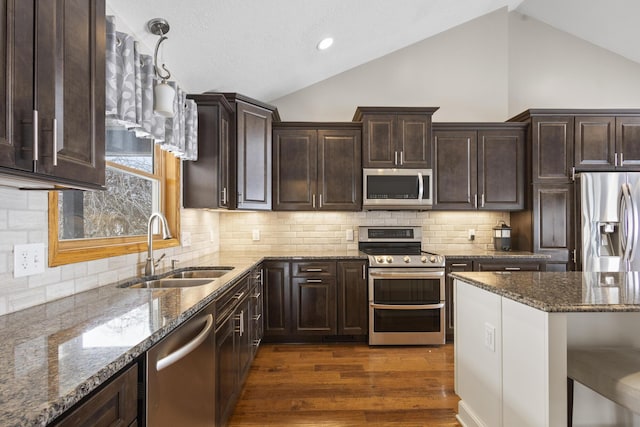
(62, 252)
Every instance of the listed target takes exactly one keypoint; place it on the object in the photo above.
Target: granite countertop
(492, 254)
(562, 292)
(54, 354)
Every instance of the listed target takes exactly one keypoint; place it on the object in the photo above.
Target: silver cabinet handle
(512, 268)
(621, 159)
(312, 270)
(239, 295)
(401, 158)
(257, 317)
(224, 196)
(482, 201)
(314, 281)
(364, 271)
(241, 322)
(395, 160)
(475, 200)
(407, 307)
(35, 136)
(615, 159)
(187, 348)
(256, 296)
(320, 206)
(55, 142)
(459, 265)
(313, 201)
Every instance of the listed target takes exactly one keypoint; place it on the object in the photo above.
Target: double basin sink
(184, 279)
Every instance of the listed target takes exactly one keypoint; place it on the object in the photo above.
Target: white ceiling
(265, 49)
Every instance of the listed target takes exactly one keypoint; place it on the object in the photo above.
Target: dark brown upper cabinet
(317, 166)
(479, 166)
(233, 170)
(52, 125)
(395, 137)
(209, 182)
(607, 143)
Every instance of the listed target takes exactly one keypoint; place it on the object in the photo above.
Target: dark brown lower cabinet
(116, 404)
(451, 267)
(308, 301)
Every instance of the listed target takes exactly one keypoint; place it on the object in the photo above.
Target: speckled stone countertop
(562, 292)
(492, 254)
(54, 354)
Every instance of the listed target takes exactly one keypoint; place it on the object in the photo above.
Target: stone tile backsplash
(23, 219)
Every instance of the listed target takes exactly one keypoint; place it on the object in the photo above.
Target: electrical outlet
(185, 239)
(255, 235)
(349, 235)
(212, 236)
(472, 234)
(490, 336)
(28, 259)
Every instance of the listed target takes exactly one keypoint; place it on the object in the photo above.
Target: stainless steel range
(406, 287)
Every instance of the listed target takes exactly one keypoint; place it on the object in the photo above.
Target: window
(140, 179)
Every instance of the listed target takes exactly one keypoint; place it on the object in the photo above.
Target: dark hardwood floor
(348, 385)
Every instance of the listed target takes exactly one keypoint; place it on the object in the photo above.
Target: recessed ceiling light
(325, 43)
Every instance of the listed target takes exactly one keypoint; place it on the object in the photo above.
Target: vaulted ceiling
(267, 48)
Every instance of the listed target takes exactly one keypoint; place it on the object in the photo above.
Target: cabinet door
(205, 181)
(277, 299)
(253, 136)
(114, 405)
(414, 140)
(352, 298)
(314, 305)
(227, 363)
(295, 169)
(339, 170)
(16, 85)
(628, 142)
(450, 267)
(595, 144)
(553, 217)
(501, 169)
(226, 162)
(455, 170)
(378, 136)
(552, 149)
(70, 76)
(245, 341)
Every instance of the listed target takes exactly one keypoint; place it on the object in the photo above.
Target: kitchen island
(512, 335)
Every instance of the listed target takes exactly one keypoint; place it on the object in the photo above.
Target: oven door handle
(406, 275)
(407, 307)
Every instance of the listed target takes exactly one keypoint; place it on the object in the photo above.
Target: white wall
(463, 71)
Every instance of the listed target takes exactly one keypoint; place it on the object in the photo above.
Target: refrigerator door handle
(626, 219)
(634, 221)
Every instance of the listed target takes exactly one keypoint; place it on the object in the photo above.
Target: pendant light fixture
(163, 94)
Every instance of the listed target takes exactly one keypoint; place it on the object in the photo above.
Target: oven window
(392, 187)
(406, 320)
(406, 291)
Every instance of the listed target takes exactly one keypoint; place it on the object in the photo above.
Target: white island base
(511, 361)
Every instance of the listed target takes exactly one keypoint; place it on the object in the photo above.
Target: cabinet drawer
(313, 268)
(502, 266)
(226, 302)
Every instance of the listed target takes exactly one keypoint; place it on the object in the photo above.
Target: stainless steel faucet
(151, 264)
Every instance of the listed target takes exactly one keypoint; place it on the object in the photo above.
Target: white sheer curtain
(130, 79)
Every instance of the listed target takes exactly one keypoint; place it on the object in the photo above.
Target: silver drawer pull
(257, 317)
(256, 295)
(314, 281)
(173, 357)
(512, 268)
(239, 295)
(312, 270)
(459, 265)
(407, 307)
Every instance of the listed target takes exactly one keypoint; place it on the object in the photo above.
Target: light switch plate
(185, 239)
(255, 235)
(349, 235)
(28, 259)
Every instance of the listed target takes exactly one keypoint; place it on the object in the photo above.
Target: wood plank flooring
(348, 385)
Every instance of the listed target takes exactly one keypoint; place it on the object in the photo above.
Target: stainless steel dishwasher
(181, 375)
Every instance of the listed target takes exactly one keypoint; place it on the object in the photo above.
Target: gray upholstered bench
(613, 372)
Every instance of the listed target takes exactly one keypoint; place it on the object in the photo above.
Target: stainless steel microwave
(397, 189)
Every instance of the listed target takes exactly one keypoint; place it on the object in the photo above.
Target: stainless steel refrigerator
(609, 204)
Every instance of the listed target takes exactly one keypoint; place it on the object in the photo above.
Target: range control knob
(432, 258)
(379, 260)
(407, 259)
(423, 259)
(389, 260)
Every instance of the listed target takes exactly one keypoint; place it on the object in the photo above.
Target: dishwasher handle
(173, 357)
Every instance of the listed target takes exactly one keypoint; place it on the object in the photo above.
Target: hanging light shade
(163, 93)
